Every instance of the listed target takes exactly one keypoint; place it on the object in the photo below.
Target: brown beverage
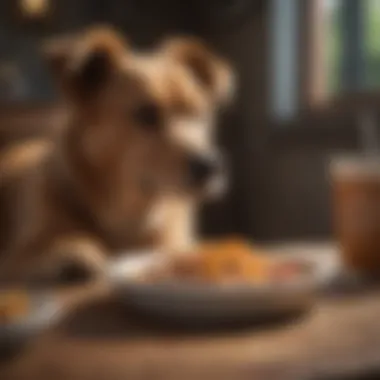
(356, 201)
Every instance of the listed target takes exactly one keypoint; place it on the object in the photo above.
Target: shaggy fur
(110, 178)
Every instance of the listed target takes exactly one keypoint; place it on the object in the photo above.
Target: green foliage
(334, 33)
(372, 42)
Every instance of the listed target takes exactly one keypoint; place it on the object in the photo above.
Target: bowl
(42, 311)
(194, 303)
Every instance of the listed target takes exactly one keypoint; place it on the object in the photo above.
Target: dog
(131, 163)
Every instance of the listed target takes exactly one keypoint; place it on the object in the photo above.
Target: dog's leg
(76, 258)
(179, 229)
(68, 258)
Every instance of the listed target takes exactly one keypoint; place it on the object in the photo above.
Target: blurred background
(307, 71)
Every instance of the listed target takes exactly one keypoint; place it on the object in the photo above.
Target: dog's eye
(148, 116)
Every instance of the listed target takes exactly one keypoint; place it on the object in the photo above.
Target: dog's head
(146, 119)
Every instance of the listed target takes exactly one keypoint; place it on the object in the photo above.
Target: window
(284, 46)
(322, 49)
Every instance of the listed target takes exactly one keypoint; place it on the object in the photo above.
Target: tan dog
(137, 141)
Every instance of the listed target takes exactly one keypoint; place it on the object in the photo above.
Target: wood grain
(99, 339)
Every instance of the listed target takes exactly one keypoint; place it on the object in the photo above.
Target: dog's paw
(69, 268)
(76, 260)
(73, 271)
(65, 272)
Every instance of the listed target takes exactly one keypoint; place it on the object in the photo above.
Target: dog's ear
(81, 64)
(213, 73)
(57, 53)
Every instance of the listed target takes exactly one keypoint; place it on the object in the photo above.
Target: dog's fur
(109, 180)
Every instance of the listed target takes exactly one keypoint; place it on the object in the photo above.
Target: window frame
(313, 52)
(312, 93)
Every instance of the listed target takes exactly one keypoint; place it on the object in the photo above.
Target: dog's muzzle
(208, 174)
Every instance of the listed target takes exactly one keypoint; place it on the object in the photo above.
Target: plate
(43, 311)
(194, 303)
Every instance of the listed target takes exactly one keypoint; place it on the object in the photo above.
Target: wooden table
(98, 340)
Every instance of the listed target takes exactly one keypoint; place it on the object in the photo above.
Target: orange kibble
(232, 260)
(13, 305)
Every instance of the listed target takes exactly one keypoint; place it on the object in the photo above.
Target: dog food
(231, 261)
(13, 306)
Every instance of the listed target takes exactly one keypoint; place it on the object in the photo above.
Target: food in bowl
(14, 305)
(232, 261)
(227, 262)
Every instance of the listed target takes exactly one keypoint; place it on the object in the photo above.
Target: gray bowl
(44, 311)
(194, 303)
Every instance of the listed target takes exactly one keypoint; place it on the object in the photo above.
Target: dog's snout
(202, 169)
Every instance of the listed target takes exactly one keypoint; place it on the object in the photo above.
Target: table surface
(98, 340)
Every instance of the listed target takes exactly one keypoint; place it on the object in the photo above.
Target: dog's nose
(202, 169)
